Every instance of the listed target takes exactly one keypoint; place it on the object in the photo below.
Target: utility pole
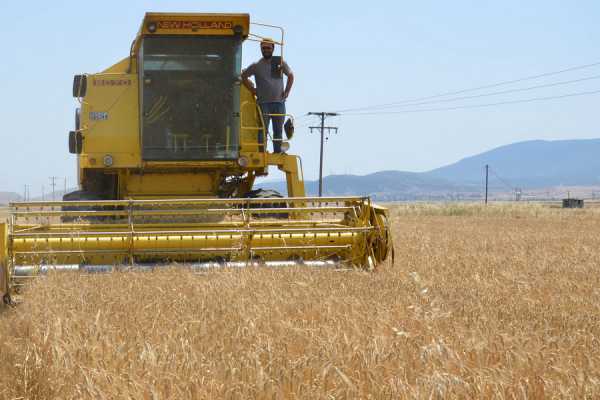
(26, 193)
(322, 128)
(53, 184)
(487, 170)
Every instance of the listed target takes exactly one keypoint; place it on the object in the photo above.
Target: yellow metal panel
(122, 67)
(251, 123)
(110, 123)
(3, 236)
(169, 184)
(199, 165)
(143, 242)
(195, 24)
(291, 165)
(144, 230)
(4, 273)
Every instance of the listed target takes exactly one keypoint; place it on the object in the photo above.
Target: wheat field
(500, 302)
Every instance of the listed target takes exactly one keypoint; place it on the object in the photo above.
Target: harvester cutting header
(169, 143)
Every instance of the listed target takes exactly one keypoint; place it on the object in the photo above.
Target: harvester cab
(168, 145)
(173, 120)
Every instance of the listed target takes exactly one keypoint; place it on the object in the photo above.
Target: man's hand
(246, 82)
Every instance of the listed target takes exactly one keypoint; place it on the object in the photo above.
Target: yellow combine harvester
(169, 144)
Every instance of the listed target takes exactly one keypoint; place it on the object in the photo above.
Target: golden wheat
(498, 302)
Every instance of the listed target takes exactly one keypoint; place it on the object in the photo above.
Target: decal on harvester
(194, 25)
(98, 115)
(112, 82)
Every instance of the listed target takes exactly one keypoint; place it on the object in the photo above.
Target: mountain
(383, 185)
(6, 197)
(58, 195)
(530, 164)
(381, 182)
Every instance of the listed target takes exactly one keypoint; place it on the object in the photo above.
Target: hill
(6, 197)
(531, 164)
(383, 185)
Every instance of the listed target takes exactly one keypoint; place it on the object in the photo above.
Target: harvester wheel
(267, 194)
(82, 195)
(7, 300)
(264, 194)
(383, 244)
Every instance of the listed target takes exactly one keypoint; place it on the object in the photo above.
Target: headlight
(151, 27)
(285, 146)
(243, 161)
(107, 160)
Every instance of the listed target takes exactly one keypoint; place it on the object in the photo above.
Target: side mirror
(79, 85)
(75, 142)
(288, 127)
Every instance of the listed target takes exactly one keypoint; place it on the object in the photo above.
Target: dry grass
(500, 303)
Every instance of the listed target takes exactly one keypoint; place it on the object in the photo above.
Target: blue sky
(344, 54)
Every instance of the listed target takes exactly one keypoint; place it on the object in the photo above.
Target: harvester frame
(168, 145)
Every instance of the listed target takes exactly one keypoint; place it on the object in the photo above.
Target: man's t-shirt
(269, 89)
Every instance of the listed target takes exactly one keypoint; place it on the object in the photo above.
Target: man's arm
(290, 80)
(247, 82)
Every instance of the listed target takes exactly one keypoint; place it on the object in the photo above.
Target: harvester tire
(383, 246)
(81, 195)
(264, 194)
(7, 300)
(268, 194)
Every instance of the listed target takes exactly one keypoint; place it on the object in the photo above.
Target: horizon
(271, 179)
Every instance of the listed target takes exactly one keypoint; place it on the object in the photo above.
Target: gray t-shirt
(269, 88)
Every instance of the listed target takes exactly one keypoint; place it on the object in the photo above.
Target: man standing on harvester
(268, 74)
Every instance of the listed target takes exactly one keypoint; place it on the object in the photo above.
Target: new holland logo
(194, 25)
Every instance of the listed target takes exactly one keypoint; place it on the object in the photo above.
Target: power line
(496, 93)
(450, 93)
(508, 185)
(322, 115)
(517, 190)
(53, 185)
(487, 178)
(303, 116)
(476, 105)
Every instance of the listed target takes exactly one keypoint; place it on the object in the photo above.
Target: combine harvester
(169, 144)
